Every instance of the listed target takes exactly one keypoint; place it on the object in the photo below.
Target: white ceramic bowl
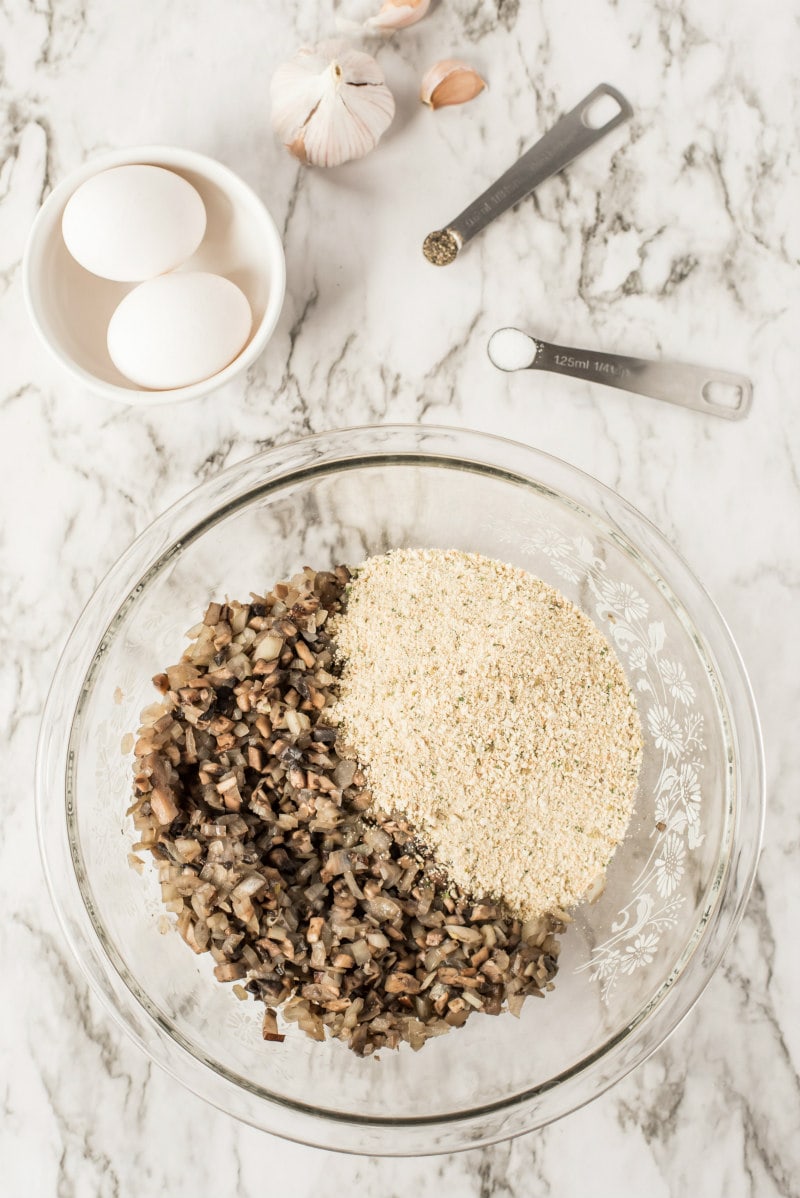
(70, 308)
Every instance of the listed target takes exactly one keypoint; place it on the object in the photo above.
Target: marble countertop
(679, 237)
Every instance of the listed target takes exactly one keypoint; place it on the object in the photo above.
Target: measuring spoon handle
(568, 138)
(716, 391)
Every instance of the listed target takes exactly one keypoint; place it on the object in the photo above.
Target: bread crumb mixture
(492, 714)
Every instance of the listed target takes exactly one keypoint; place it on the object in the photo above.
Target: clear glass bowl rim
(477, 1125)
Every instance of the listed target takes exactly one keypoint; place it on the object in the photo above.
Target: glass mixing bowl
(632, 963)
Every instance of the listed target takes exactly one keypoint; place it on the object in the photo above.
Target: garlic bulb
(330, 103)
(397, 14)
(450, 82)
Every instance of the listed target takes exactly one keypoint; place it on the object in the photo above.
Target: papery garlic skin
(450, 82)
(330, 103)
(398, 14)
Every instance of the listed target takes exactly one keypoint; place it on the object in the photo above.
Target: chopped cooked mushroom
(273, 861)
(269, 1027)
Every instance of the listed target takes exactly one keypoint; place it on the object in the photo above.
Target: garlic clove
(398, 14)
(330, 103)
(450, 82)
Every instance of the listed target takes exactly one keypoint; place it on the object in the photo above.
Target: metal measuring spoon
(570, 136)
(714, 391)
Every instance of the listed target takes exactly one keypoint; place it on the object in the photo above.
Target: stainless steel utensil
(714, 391)
(573, 134)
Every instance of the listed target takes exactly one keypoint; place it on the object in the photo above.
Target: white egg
(133, 222)
(178, 329)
